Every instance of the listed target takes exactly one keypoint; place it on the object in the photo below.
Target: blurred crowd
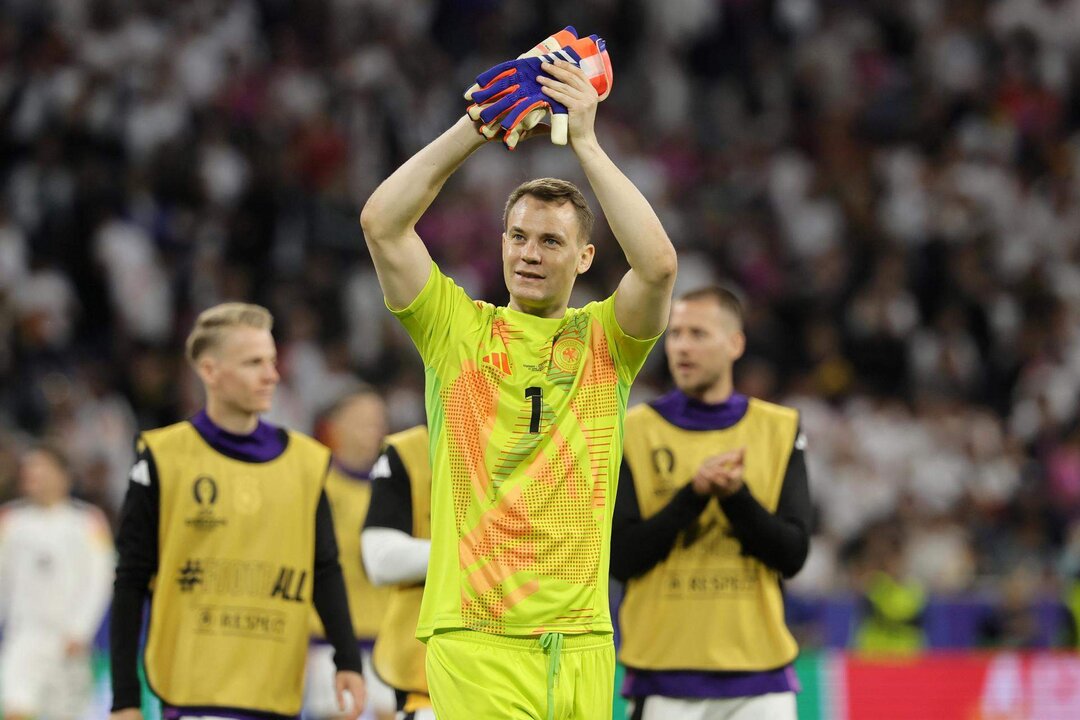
(894, 186)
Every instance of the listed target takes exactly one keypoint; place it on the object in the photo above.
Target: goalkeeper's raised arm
(390, 215)
(644, 296)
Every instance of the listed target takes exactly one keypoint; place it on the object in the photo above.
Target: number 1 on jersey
(537, 396)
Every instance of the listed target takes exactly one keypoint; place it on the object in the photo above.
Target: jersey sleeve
(628, 352)
(440, 312)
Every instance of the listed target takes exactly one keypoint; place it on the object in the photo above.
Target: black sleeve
(781, 541)
(638, 545)
(328, 592)
(137, 547)
(391, 494)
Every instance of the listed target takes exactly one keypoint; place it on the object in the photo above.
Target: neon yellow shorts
(477, 676)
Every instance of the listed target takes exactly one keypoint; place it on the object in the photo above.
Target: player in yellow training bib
(396, 548)
(353, 428)
(525, 408)
(227, 528)
(713, 510)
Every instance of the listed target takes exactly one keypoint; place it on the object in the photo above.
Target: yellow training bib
(706, 606)
(229, 613)
(398, 656)
(349, 498)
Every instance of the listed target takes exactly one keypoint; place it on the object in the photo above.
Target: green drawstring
(552, 644)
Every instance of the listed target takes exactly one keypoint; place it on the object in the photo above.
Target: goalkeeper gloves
(549, 44)
(509, 97)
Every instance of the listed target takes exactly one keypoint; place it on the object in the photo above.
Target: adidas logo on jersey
(500, 360)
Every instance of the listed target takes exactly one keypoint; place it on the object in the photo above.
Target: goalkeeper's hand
(566, 86)
(550, 44)
(510, 93)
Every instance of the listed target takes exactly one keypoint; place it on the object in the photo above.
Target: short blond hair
(212, 323)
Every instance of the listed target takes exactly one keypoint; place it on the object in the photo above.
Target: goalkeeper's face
(241, 372)
(543, 253)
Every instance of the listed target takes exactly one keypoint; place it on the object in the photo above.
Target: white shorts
(320, 698)
(771, 706)
(37, 680)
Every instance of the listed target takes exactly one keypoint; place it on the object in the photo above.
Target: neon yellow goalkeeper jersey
(526, 419)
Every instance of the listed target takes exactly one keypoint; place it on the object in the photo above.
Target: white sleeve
(95, 591)
(392, 556)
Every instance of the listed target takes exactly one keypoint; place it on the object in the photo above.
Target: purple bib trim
(263, 444)
(685, 412)
(364, 475)
(168, 712)
(688, 684)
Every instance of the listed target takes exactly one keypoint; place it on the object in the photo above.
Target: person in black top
(712, 510)
(226, 526)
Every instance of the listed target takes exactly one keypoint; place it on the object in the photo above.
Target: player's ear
(585, 258)
(206, 368)
(738, 344)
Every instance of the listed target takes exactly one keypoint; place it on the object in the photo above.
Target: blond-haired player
(226, 521)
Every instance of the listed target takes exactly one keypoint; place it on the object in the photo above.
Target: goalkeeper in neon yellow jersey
(525, 406)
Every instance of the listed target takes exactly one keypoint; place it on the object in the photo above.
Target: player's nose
(530, 252)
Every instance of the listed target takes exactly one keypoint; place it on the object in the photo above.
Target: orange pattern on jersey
(505, 524)
(547, 525)
(501, 544)
(502, 329)
(564, 470)
(486, 611)
(575, 553)
(499, 360)
(559, 489)
(520, 445)
(596, 406)
(470, 403)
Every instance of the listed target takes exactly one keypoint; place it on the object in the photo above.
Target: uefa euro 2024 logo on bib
(205, 492)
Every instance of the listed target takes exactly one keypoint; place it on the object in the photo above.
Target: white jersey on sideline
(56, 569)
